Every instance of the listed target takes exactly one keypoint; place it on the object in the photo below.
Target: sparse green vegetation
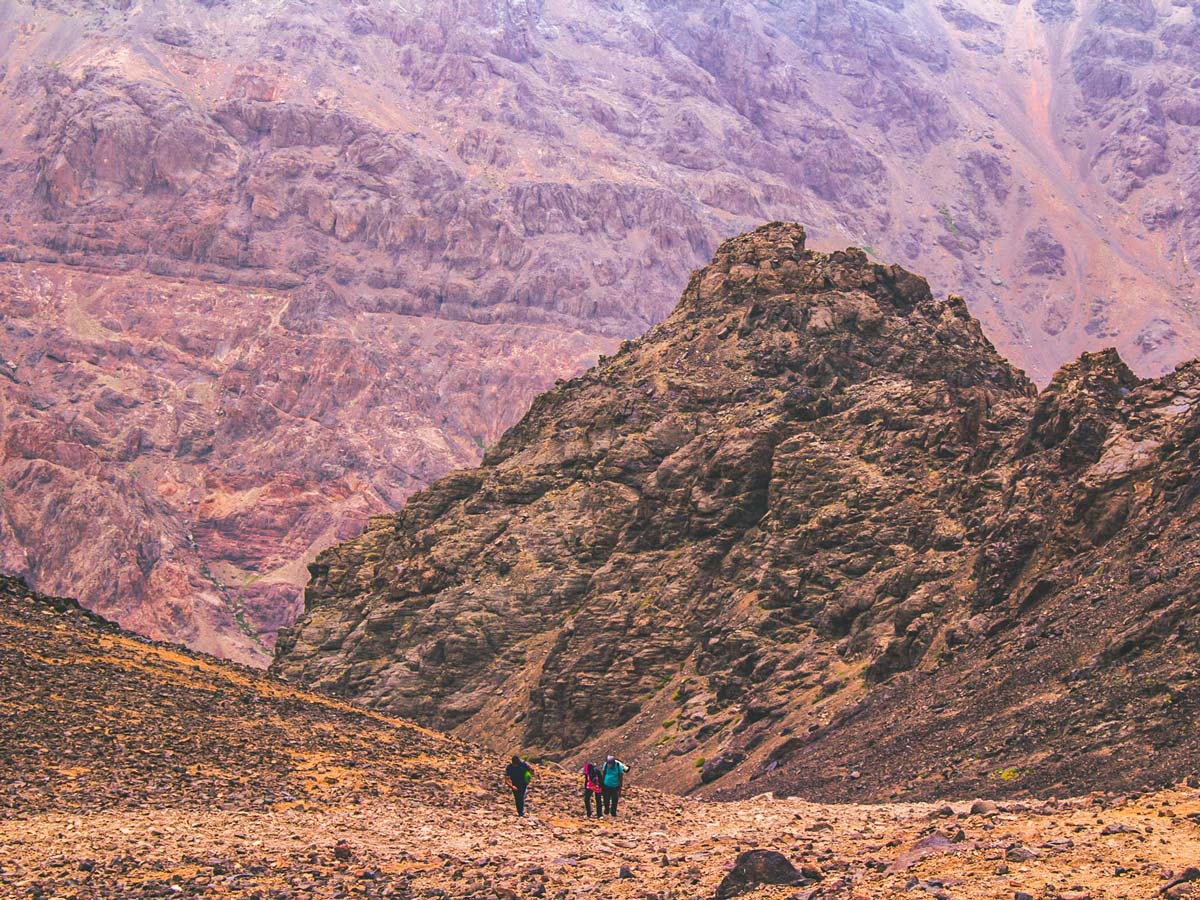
(947, 219)
(700, 761)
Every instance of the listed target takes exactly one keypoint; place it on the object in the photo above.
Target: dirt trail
(669, 849)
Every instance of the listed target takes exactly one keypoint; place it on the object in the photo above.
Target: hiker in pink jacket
(591, 788)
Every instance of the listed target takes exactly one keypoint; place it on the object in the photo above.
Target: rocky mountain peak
(830, 319)
(1102, 373)
(772, 259)
(1079, 402)
(768, 321)
(796, 522)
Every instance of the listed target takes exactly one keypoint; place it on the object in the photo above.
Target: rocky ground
(133, 769)
(1102, 848)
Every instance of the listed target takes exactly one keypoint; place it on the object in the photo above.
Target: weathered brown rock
(754, 868)
(812, 523)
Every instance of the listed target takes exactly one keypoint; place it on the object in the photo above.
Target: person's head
(516, 758)
(611, 759)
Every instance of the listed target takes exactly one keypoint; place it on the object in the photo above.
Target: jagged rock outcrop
(812, 524)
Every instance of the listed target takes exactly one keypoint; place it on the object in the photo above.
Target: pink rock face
(512, 187)
(176, 452)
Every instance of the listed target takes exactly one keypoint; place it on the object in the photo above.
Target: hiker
(518, 774)
(591, 789)
(612, 777)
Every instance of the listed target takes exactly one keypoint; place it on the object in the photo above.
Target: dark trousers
(587, 802)
(610, 796)
(519, 797)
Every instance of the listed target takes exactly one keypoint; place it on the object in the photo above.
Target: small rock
(812, 872)
(342, 851)
(1191, 873)
(719, 765)
(625, 872)
(984, 808)
(1020, 854)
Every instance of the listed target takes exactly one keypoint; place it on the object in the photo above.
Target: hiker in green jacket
(612, 778)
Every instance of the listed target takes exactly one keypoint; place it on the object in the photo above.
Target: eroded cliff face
(811, 524)
(175, 452)
(570, 163)
(512, 187)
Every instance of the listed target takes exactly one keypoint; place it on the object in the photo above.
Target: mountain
(812, 534)
(267, 269)
(136, 770)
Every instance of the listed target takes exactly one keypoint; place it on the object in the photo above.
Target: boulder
(758, 867)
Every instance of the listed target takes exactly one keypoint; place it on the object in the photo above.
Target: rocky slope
(470, 198)
(175, 452)
(811, 534)
(478, 160)
(138, 770)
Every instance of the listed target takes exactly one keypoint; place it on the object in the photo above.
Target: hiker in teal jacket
(612, 778)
